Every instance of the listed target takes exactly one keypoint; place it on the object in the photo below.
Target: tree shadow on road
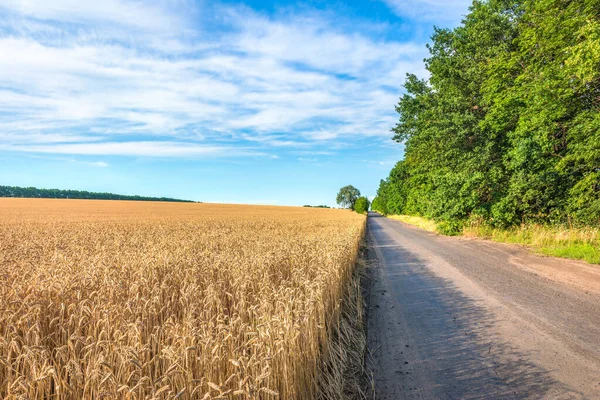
(456, 352)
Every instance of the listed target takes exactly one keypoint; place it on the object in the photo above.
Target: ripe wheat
(107, 300)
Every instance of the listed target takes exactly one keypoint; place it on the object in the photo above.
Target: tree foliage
(362, 205)
(507, 128)
(31, 192)
(347, 196)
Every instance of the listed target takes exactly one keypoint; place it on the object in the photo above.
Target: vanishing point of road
(453, 318)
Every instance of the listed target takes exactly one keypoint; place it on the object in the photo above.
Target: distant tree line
(31, 192)
(319, 206)
(506, 130)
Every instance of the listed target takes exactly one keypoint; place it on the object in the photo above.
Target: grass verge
(557, 241)
(420, 222)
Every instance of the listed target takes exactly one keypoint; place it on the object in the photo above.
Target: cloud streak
(138, 148)
(448, 11)
(81, 78)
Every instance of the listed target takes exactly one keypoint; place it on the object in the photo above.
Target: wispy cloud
(309, 160)
(129, 14)
(143, 79)
(151, 148)
(448, 11)
(99, 164)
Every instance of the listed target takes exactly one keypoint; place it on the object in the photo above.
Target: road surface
(453, 318)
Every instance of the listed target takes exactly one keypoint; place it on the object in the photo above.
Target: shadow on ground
(428, 340)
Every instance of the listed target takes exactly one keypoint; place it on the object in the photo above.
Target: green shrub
(450, 227)
(362, 205)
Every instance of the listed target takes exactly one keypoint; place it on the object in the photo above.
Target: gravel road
(452, 318)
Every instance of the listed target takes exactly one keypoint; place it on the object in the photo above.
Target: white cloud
(124, 83)
(317, 44)
(154, 149)
(130, 14)
(309, 160)
(100, 164)
(449, 11)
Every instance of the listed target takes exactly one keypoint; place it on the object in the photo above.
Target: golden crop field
(135, 300)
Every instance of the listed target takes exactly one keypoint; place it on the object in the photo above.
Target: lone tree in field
(347, 196)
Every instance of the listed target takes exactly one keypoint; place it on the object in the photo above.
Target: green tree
(361, 205)
(507, 127)
(347, 196)
(377, 205)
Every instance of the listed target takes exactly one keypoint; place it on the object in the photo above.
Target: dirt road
(451, 318)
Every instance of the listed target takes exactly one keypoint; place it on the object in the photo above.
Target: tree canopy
(507, 128)
(362, 205)
(347, 196)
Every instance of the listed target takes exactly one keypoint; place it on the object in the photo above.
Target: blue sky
(279, 102)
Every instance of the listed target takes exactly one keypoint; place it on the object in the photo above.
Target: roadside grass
(420, 222)
(556, 241)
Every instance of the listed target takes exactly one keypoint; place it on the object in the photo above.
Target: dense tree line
(31, 192)
(506, 130)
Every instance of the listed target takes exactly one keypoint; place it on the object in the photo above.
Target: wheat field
(134, 300)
